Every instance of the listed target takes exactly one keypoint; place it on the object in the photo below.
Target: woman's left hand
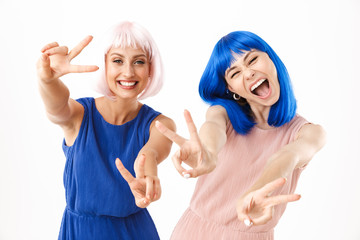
(256, 207)
(146, 189)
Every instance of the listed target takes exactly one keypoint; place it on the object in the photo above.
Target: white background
(317, 40)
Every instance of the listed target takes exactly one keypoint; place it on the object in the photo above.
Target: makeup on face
(127, 69)
(253, 76)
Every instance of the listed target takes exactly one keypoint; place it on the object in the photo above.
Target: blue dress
(100, 204)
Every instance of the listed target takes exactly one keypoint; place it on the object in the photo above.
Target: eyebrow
(136, 56)
(246, 56)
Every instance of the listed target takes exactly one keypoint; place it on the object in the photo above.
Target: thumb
(44, 61)
(43, 67)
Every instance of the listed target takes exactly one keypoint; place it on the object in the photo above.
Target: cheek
(144, 73)
(274, 72)
(272, 69)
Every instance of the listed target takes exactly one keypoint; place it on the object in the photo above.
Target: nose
(128, 70)
(249, 74)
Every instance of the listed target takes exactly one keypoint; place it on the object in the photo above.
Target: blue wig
(213, 86)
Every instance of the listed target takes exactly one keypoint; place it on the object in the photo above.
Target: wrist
(46, 82)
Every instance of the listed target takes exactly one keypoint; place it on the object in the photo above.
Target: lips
(127, 84)
(261, 88)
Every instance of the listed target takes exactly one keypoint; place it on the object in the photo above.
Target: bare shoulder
(217, 114)
(216, 109)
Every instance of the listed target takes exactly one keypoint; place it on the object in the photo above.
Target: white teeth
(257, 84)
(127, 84)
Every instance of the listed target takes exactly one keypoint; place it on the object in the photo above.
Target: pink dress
(212, 211)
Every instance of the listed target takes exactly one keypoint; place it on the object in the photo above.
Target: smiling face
(253, 76)
(127, 71)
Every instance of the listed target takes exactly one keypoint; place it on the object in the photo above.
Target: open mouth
(127, 84)
(261, 88)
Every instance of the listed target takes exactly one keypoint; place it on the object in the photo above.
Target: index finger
(276, 200)
(123, 171)
(173, 136)
(191, 125)
(83, 68)
(78, 48)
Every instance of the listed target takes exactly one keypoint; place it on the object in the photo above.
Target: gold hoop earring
(236, 96)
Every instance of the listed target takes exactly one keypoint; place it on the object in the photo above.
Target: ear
(230, 88)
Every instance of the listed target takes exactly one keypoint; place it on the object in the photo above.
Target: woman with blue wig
(251, 149)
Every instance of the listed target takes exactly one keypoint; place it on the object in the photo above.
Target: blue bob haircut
(213, 86)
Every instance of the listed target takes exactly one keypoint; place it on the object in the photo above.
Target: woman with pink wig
(111, 145)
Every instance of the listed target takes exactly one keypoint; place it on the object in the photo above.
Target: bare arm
(256, 205)
(158, 146)
(54, 63)
(311, 138)
(213, 132)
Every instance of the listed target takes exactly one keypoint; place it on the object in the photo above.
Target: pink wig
(130, 34)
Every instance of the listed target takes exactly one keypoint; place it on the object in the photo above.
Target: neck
(118, 111)
(261, 116)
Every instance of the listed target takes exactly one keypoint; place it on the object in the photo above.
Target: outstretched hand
(146, 189)
(55, 61)
(191, 151)
(256, 208)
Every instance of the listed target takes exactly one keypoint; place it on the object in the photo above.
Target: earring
(236, 96)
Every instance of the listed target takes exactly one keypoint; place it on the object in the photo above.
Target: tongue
(263, 89)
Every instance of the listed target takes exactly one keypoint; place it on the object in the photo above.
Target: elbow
(321, 136)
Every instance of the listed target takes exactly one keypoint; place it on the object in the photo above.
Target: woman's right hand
(145, 188)
(257, 207)
(55, 61)
(192, 152)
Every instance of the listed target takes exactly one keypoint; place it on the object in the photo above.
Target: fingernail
(186, 175)
(247, 222)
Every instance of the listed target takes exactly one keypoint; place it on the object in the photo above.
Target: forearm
(311, 138)
(151, 161)
(158, 146)
(281, 164)
(55, 96)
(212, 137)
(213, 132)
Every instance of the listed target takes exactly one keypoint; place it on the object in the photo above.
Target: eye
(253, 60)
(117, 61)
(234, 74)
(139, 62)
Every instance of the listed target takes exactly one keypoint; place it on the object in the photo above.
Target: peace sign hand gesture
(55, 61)
(146, 189)
(256, 208)
(191, 151)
